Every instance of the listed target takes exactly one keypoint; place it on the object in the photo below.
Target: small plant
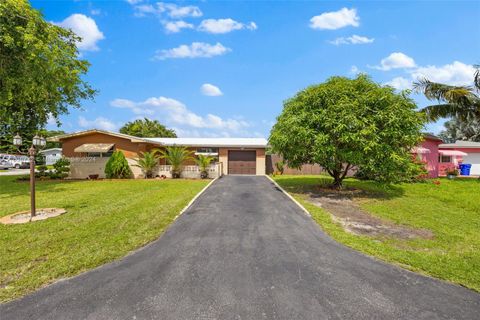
(61, 168)
(452, 173)
(147, 162)
(42, 171)
(203, 163)
(175, 157)
(117, 167)
(280, 165)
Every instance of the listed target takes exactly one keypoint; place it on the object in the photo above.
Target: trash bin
(465, 169)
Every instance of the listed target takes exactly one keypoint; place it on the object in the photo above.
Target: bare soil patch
(24, 216)
(344, 208)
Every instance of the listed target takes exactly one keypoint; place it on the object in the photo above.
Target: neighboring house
(467, 152)
(89, 150)
(51, 155)
(428, 152)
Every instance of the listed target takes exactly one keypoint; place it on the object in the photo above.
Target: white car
(12, 161)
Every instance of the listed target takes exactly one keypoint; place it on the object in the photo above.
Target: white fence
(189, 172)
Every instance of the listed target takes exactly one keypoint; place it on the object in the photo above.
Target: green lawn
(105, 220)
(450, 210)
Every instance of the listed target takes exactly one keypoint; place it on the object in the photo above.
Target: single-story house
(466, 152)
(51, 155)
(89, 151)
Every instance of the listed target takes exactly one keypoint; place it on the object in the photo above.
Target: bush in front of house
(61, 168)
(203, 162)
(148, 161)
(117, 167)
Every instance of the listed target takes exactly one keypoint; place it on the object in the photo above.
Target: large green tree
(346, 123)
(147, 128)
(462, 102)
(40, 70)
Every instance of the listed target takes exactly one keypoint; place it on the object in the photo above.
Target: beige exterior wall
(81, 168)
(260, 156)
(260, 162)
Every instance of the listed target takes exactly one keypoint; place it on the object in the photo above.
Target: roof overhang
(94, 147)
(59, 138)
(452, 153)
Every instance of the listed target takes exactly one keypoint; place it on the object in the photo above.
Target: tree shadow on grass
(353, 188)
(12, 188)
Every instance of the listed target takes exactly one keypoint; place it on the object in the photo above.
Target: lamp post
(37, 142)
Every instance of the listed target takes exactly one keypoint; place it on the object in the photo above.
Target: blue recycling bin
(465, 169)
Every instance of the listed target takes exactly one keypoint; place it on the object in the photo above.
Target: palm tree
(147, 162)
(455, 129)
(462, 102)
(175, 157)
(203, 163)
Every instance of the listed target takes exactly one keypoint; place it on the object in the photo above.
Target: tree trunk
(337, 180)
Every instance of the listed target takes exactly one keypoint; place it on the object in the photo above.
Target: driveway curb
(289, 196)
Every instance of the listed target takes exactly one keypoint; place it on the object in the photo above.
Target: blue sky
(223, 68)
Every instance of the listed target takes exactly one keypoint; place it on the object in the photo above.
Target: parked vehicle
(4, 164)
(13, 161)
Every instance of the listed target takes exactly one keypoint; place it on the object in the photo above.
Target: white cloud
(208, 89)
(175, 11)
(95, 12)
(354, 39)
(176, 26)
(400, 83)
(195, 50)
(224, 25)
(84, 27)
(335, 20)
(456, 73)
(98, 123)
(134, 1)
(171, 10)
(396, 60)
(175, 112)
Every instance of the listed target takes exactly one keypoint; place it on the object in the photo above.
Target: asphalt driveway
(245, 251)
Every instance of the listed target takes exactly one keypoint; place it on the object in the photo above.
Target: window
(100, 154)
(207, 150)
(445, 159)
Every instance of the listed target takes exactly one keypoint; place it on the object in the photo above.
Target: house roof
(191, 142)
(211, 142)
(82, 133)
(460, 144)
(431, 137)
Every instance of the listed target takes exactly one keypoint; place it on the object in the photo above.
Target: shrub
(203, 163)
(61, 168)
(117, 167)
(148, 161)
(280, 165)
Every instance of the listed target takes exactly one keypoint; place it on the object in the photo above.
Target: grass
(451, 210)
(105, 220)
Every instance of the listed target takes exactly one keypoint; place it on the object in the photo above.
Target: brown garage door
(242, 162)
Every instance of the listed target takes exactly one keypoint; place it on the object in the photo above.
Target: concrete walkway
(245, 251)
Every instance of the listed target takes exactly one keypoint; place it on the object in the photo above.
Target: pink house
(428, 152)
(453, 154)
